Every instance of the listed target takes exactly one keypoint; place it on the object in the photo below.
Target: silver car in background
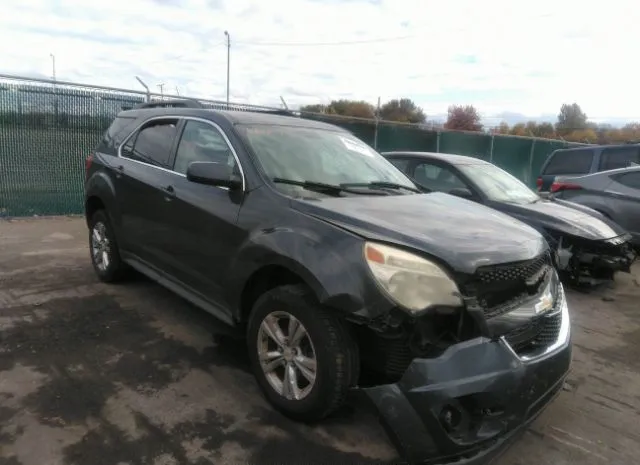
(614, 193)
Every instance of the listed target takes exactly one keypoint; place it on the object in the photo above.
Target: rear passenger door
(205, 236)
(143, 177)
(624, 200)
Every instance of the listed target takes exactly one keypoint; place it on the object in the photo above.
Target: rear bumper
(465, 406)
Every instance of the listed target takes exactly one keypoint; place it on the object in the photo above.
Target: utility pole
(226, 33)
(177, 91)
(161, 86)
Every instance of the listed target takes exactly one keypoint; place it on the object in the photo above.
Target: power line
(320, 44)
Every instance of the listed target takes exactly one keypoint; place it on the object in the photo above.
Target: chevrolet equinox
(332, 262)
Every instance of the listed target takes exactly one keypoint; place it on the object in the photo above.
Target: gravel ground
(92, 374)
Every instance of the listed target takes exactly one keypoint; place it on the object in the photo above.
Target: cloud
(498, 55)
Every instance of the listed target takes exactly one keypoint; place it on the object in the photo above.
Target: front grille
(515, 271)
(538, 333)
(499, 288)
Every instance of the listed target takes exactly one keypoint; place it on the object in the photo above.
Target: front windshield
(317, 155)
(498, 185)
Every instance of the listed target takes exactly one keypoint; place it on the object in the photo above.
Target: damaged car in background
(333, 264)
(588, 247)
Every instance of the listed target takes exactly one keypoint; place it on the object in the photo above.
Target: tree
(357, 108)
(545, 130)
(344, 107)
(503, 128)
(571, 118)
(519, 129)
(402, 110)
(582, 135)
(463, 118)
(317, 108)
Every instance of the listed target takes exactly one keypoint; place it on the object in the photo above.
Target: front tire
(303, 357)
(103, 247)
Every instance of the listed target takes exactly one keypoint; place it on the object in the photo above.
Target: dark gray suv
(331, 262)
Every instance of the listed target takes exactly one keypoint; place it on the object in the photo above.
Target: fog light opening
(451, 418)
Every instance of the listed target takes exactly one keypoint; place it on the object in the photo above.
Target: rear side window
(570, 162)
(618, 157)
(116, 132)
(630, 180)
(153, 143)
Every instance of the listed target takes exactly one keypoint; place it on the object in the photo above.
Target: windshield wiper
(321, 187)
(381, 184)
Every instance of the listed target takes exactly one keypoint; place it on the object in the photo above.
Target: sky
(510, 59)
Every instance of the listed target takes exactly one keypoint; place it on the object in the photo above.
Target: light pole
(226, 33)
(161, 86)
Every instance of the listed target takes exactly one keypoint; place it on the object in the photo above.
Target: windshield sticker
(355, 146)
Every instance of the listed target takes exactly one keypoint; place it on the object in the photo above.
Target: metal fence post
(491, 149)
(530, 172)
(438, 142)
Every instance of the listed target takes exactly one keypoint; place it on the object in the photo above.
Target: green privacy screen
(47, 130)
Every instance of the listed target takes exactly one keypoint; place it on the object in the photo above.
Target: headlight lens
(412, 281)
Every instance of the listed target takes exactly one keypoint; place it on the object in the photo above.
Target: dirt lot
(92, 374)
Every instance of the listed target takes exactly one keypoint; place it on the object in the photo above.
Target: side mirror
(213, 174)
(461, 192)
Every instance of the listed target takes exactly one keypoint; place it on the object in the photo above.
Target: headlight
(413, 282)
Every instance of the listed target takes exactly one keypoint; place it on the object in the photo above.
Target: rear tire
(302, 356)
(103, 248)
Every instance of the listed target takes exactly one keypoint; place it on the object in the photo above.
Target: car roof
(234, 117)
(596, 147)
(628, 169)
(448, 157)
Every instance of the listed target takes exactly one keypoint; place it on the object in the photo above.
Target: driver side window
(436, 177)
(202, 142)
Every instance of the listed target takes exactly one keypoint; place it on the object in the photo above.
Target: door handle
(170, 193)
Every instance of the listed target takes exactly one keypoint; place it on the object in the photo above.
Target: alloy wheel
(287, 356)
(100, 246)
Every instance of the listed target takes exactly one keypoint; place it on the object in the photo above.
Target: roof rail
(274, 112)
(175, 103)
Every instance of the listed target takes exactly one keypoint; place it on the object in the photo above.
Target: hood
(463, 234)
(564, 217)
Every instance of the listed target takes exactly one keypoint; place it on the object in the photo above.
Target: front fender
(327, 260)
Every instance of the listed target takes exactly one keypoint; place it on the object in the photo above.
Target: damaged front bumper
(465, 406)
(586, 260)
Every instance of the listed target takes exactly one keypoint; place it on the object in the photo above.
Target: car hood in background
(462, 233)
(564, 217)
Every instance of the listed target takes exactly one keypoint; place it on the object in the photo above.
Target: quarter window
(630, 180)
(202, 142)
(153, 143)
(619, 157)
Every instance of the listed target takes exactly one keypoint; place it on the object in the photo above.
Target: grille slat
(513, 271)
(501, 287)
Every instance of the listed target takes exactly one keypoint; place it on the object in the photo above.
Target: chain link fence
(48, 128)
